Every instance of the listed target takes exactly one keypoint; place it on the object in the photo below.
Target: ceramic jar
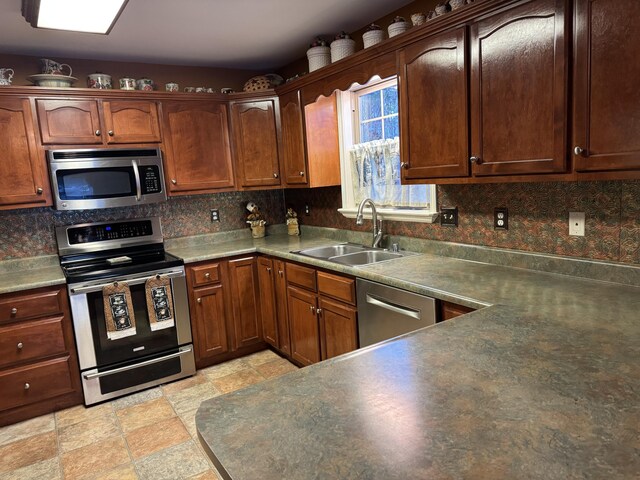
(6, 74)
(455, 4)
(373, 35)
(144, 84)
(51, 67)
(172, 87)
(418, 19)
(398, 26)
(98, 80)
(127, 83)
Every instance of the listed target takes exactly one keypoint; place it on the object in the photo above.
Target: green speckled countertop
(543, 383)
(28, 273)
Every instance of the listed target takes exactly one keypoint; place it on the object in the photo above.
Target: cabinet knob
(275, 175)
(269, 269)
(281, 273)
(312, 309)
(98, 132)
(110, 132)
(302, 174)
(319, 311)
(39, 190)
(475, 160)
(20, 345)
(579, 151)
(199, 300)
(27, 386)
(404, 165)
(174, 181)
(14, 311)
(207, 275)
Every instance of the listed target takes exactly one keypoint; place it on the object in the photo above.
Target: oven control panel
(150, 180)
(109, 231)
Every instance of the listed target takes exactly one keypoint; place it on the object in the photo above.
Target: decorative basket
(341, 48)
(372, 37)
(258, 231)
(318, 57)
(397, 28)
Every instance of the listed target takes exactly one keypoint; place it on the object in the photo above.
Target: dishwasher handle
(400, 309)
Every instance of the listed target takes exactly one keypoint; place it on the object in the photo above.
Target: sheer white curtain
(375, 173)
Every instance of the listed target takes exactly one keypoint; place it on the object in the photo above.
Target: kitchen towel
(118, 311)
(159, 302)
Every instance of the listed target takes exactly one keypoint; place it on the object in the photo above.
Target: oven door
(87, 309)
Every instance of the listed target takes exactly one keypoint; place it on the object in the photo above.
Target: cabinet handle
(39, 190)
(20, 345)
(199, 300)
(174, 181)
(319, 311)
(579, 151)
(275, 175)
(98, 132)
(280, 272)
(312, 309)
(475, 160)
(14, 311)
(27, 386)
(207, 275)
(110, 132)
(404, 165)
(302, 174)
(269, 269)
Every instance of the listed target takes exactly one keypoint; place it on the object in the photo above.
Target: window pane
(390, 100)
(391, 129)
(369, 106)
(371, 131)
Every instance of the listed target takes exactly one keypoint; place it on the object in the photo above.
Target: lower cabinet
(450, 310)
(338, 328)
(38, 365)
(305, 329)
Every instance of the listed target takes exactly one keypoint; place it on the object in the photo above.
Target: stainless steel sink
(331, 251)
(350, 254)
(366, 257)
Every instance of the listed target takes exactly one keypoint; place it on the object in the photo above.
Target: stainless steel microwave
(104, 178)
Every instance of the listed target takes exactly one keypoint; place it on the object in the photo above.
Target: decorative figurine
(255, 221)
(293, 227)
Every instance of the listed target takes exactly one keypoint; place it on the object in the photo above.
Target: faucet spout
(377, 227)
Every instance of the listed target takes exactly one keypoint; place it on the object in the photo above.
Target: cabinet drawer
(301, 276)
(33, 383)
(338, 287)
(205, 274)
(31, 340)
(21, 306)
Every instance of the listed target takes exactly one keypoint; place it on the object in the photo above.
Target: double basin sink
(351, 254)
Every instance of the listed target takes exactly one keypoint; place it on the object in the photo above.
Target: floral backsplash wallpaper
(31, 231)
(538, 217)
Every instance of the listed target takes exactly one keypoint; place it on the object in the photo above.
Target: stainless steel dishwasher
(386, 312)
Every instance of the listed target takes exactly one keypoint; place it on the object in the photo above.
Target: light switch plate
(449, 217)
(576, 224)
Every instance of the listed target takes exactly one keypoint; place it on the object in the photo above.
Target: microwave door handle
(136, 174)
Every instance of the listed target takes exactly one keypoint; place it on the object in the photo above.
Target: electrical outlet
(501, 218)
(449, 217)
(215, 215)
(576, 224)
(307, 210)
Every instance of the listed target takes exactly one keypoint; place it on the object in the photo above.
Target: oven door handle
(183, 351)
(136, 174)
(133, 281)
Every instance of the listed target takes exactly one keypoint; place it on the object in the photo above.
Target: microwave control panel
(150, 179)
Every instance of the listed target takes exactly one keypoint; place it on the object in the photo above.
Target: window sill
(418, 216)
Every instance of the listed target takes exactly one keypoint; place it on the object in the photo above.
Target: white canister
(98, 80)
(145, 84)
(372, 37)
(341, 48)
(397, 28)
(127, 83)
(318, 57)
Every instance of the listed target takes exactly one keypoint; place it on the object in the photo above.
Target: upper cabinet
(323, 143)
(197, 151)
(294, 152)
(97, 122)
(23, 173)
(606, 118)
(255, 140)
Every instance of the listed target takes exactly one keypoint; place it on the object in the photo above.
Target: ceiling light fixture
(74, 15)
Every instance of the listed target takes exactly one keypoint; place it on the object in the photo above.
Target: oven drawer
(36, 382)
(31, 340)
(205, 274)
(30, 305)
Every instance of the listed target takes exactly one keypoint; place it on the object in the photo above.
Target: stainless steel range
(129, 306)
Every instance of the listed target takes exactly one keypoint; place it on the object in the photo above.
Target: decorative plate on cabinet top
(48, 80)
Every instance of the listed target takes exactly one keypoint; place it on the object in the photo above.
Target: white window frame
(349, 132)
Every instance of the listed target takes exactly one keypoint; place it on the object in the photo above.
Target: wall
(538, 215)
(31, 232)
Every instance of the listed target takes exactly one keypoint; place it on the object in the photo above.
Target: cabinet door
(519, 90)
(209, 321)
(282, 315)
(69, 122)
(305, 332)
(243, 282)
(294, 157)
(323, 144)
(131, 121)
(433, 105)
(606, 126)
(338, 328)
(266, 279)
(256, 143)
(198, 156)
(23, 173)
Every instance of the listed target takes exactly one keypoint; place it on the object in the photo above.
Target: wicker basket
(397, 28)
(318, 57)
(372, 37)
(258, 231)
(341, 48)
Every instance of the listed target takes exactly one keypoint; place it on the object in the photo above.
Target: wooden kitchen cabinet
(244, 292)
(97, 122)
(282, 314)
(23, 171)
(338, 328)
(294, 151)
(606, 123)
(267, 287)
(305, 329)
(209, 320)
(255, 139)
(39, 370)
(449, 310)
(197, 148)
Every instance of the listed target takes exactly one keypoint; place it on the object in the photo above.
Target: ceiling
(251, 34)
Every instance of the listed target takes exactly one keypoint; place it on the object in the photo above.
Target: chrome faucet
(377, 227)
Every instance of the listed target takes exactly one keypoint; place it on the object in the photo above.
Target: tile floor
(149, 435)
